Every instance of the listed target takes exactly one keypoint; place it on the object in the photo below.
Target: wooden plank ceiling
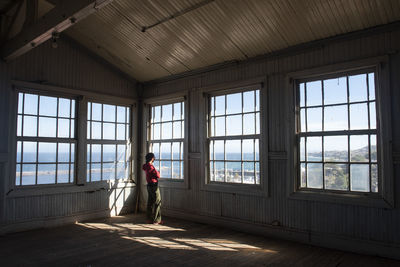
(204, 33)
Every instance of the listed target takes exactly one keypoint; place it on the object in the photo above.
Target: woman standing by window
(154, 196)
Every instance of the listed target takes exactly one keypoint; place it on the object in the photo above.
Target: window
(108, 146)
(45, 140)
(166, 139)
(337, 133)
(233, 138)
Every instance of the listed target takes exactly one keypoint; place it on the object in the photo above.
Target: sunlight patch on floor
(129, 226)
(159, 243)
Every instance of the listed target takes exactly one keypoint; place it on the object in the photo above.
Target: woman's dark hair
(149, 157)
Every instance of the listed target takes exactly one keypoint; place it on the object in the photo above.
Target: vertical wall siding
(67, 66)
(350, 221)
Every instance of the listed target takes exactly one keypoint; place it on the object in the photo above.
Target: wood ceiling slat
(222, 30)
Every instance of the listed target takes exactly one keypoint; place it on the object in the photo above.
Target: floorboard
(129, 241)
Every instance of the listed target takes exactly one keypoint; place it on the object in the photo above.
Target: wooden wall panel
(322, 219)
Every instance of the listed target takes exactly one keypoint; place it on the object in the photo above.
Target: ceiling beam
(64, 15)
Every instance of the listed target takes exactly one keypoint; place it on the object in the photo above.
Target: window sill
(37, 190)
(358, 199)
(173, 183)
(241, 189)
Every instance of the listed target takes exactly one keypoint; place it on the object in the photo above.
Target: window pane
(359, 177)
(109, 153)
(175, 150)
(88, 134)
(109, 113)
(96, 130)
(219, 105)
(72, 152)
(358, 116)
(121, 170)
(373, 148)
(302, 149)
(258, 123)
(71, 173)
(109, 131)
(19, 125)
(31, 104)
(248, 124)
(335, 91)
(358, 88)
(374, 178)
(359, 151)
(156, 131)
(302, 96)
(121, 153)
(121, 132)
(232, 149)
(233, 172)
(314, 93)
(175, 169)
(167, 112)
(96, 111)
(96, 153)
(47, 152)
(19, 147)
(211, 150)
(257, 173)
(89, 111)
(63, 152)
(303, 177)
(62, 173)
(219, 171)
(63, 128)
(156, 150)
(303, 120)
(234, 103)
(336, 176)
(177, 130)
(46, 174)
(371, 85)
(108, 171)
(372, 114)
(166, 131)
(177, 111)
(64, 107)
(121, 114)
(48, 106)
(212, 171)
(335, 148)
(219, 150)
(18, 175)
(96, 172)
(165, 151)
(314, 148)
(220, 126)
(335, 118)
(257, 147)
(157, 114)
(47, 127)
(30, 126)
(165, 169)
(248, 171)
(29, 154)
(257, 100)
(73, 109)
(248, 149)
(314, 175)
(156, 165)
(248, 101)
(234, 125)
(20, 102)
(28, 174)
(314, 119)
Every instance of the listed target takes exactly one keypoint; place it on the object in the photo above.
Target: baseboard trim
(53, 221)
(331, 241)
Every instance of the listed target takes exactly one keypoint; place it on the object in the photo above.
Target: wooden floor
(129, 241)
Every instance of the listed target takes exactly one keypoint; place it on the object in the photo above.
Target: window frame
(81, 96)
(384, 197)
(148, 103)
(129, 154)
(261, 189)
